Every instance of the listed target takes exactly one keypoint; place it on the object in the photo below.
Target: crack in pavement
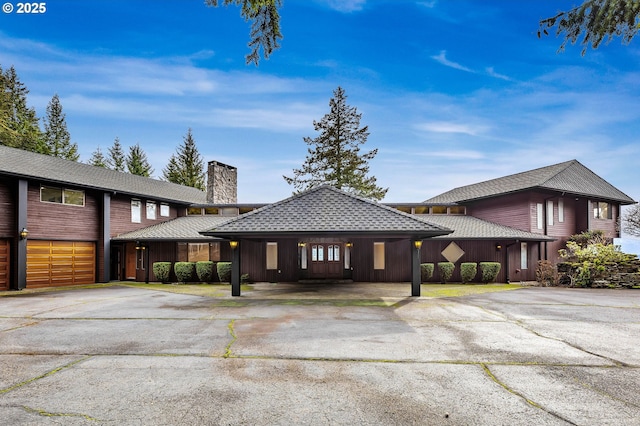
(44, 413)
(42, 376)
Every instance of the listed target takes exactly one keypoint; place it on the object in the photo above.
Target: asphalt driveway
(120, 355)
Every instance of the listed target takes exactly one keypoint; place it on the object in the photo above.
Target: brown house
(63, 222)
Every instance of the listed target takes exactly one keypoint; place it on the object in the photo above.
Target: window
(560, 210)
(151, 210)
(136, 211)
(61, 196)
(421, 210)
(214, 255)
(194, 211)
(198, 252)
(439, 210)
(602, 210)
(211, 210)
(550, 212)
(405, 209)
(539, 213)
(457, 210)
(524, 256)
(164, 210)
(333, 253)
(272, 256)
(378, 255)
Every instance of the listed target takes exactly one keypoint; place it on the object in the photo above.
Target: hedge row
(202, 271)
(468, 270)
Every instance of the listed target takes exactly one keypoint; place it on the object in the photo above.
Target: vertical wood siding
(121, 215)
(61, 221)
(7, 209)
(5, 248)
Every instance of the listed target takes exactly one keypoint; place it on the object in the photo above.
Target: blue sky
(454, 92)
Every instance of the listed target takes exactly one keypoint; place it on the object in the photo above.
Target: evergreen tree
(137, 162)
(335, 158)
(98, 159)
(19, 126)
(598, 20)
(186, 166)
(116, 160)
(265, 24)
(56, 135)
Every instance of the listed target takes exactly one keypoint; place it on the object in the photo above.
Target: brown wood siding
(121, 215)
(48, 221)
(397, 261)
(7, 209)
(483, 251)
(4, 264)
(510, 210)
(253, 260)
(57, 263)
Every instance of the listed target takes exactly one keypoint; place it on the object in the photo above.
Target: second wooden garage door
(57, 263)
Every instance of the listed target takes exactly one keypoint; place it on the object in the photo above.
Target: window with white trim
(560, 210)
(164, 210)
(550, 212)
(151, 210)
(136, 211)
(539, 213)
(524, 256)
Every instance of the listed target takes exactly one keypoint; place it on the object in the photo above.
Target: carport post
(235, 268)
(415, 267)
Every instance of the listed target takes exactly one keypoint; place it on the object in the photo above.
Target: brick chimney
(222, 183)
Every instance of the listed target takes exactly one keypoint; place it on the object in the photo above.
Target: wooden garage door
(56, 263)
(4, 265)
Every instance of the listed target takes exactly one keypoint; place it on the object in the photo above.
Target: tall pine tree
(98, 159)
(334, 157)
(117, 160)
(186, 166)
(137, 162)
(19, 127)
(56, 135)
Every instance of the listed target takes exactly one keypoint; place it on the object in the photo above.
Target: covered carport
(320, 225)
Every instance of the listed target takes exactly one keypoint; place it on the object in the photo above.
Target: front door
(326, 260)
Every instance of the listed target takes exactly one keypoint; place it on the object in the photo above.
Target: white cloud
(442, 59)
(450, 127)
(346, 6)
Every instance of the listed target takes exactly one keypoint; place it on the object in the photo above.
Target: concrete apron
(278, 355)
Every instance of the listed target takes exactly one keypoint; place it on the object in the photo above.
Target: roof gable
(325, 209)
(30, 165)
(570, 177)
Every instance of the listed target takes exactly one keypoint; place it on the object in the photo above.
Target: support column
(235, 268)
(21, 255)
(415, 267)
(106, 237)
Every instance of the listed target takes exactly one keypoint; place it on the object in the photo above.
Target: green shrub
(244, 278)
(224, 271)
(426, 271)
(468, 271)
(446, 270)
(489, 271)
(185, 271)
(162, 271)
(204, 270)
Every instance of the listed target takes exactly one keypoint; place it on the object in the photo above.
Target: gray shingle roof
(324, 210)
(469, 227)
(24, 164)
(570, 177)
(180, 229)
